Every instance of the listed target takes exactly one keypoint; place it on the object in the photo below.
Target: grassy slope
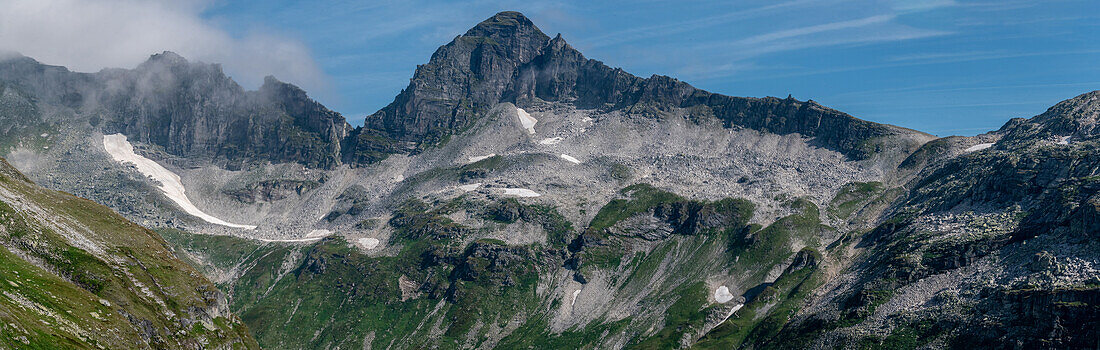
(135, 294)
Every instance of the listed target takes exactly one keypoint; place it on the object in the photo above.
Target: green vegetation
(442, 280)
(642, 198)
(330, 294)
(535, 334)
(685, 315)
(758, 322)
(620, 172)
(559, 231)
(96, 279)
(912, 335)
(853, 196)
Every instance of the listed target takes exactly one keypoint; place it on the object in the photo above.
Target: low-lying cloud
(89, 35)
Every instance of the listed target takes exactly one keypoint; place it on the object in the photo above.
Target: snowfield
(722, 295)
(526, 120)
(520, 192)
(979, 147)
(369, 243)
(470, 187)
(123, 152)
(476, 159)
(570, 159)
(550, 141)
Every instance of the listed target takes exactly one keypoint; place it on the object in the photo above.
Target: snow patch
(550, 141)
(1063, 140)
(369, 243)
(526, 120)
(575, 294)
(570, 159)
(470, 187)
(292, 240)
(123, 152)
(520, 192)
(979, 147)
(476, 159)
(736, 307)
(722, 295)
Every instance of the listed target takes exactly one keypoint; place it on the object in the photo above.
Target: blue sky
(947, 67)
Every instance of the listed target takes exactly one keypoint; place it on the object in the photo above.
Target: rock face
(463, 79)
(507, 59)
(991, 248)
(190, 109)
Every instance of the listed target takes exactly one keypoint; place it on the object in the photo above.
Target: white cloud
(89, 35)
(920, 5)
(815, 29)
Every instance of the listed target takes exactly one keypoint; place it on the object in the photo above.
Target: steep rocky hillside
(996, 247)
(77, 275)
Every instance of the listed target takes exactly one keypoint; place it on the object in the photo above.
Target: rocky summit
(520, 195)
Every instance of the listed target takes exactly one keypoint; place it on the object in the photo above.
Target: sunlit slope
(77, 275)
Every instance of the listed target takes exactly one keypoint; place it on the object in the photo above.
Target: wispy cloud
(678, 27)
(854, 32)
(955, 57)
(877, 95)
(88, 35)
(908, 61)
(921, 5)
(815, 29)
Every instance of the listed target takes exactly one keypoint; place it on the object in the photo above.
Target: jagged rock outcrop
(463, 79)
(190, 109)
(1076, 119)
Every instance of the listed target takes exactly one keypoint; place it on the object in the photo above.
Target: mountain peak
(463, 79)
(1078, 116)
(167, 57)
(507, 23)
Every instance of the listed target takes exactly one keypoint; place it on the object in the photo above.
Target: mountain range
(520, 195)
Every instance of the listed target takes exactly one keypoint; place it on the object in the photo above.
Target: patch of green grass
(535, 334)
(603, 257)
(223, 252)
(755, 324)
(912, 335)
(686, 314)
(642, 198)
(130, 267)
(853, 196)
(620, 172)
